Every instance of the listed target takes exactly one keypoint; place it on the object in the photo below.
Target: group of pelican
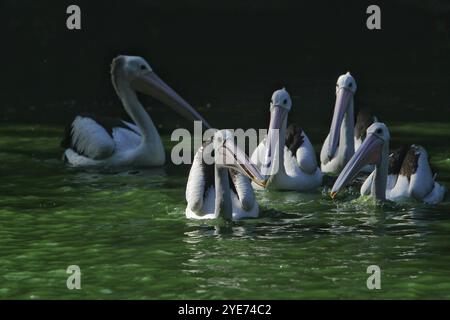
(284, 160)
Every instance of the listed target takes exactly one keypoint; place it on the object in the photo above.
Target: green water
(128, 233)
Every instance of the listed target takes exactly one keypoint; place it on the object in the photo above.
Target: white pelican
(109, 142)
(339, 144)
(218, 184)
(392, 181)
(286, 156)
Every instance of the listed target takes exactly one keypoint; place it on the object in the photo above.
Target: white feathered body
(300, 172)
(201, 192)
(414, 181)
(93, 145)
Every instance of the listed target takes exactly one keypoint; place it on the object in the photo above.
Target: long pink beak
(231, 156)
(152, 85)
(277, 117)
(368, 153)
(343, 97)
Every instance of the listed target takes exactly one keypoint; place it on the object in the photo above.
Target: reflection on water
(127, 231)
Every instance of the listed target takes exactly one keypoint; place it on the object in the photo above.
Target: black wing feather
(294, 138)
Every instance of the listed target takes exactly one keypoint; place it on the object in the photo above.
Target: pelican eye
(379, 131)
(285, 101)
(143, 67)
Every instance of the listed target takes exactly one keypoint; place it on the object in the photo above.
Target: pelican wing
(417, 168)
(200, 180)
(306, 156)
(97, 138)
(298, 143)
(324, 151)
(436, 195)
(243, 188)
(395, 163)
(396, 159)
(127, 138)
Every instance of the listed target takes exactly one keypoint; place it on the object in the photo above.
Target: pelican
(286, 156)
(218, 185)
(412, 179)
(108, 142)
(339, 144)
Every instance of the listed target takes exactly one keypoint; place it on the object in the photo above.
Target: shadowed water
(128, 233)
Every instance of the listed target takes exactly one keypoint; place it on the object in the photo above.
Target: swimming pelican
(413, 180)
(339, 144)
(286, 156)
(218, 183)
(101, 141)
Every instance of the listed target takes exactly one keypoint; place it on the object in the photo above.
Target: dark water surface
(128, 233)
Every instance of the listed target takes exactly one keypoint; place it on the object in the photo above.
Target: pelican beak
(278, 115)
(232, 157)
(343, 97)
(152, 85)
(368, 153)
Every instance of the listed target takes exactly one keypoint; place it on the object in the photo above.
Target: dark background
(226, 58)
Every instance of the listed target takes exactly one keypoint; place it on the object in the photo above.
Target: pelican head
(281, 98)
(345, 90)
(369, 153)
(280, 105)
(135, 73)
(227, 154)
